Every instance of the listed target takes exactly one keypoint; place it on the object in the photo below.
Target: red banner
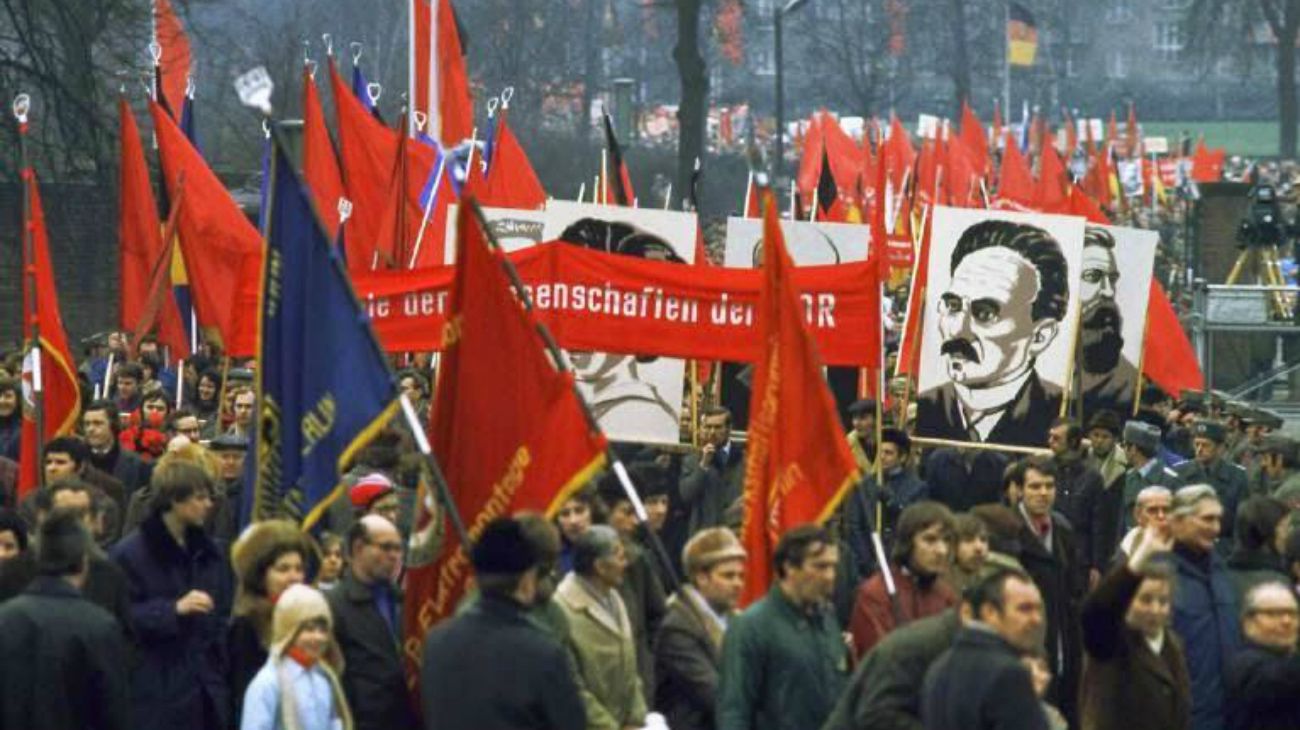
(614, 303)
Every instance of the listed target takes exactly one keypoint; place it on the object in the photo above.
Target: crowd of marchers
(1141, 573)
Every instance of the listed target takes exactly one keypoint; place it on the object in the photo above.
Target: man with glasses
(1264, 677)
(1151, 510)
(366, 605)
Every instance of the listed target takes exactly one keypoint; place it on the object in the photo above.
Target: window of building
(1119, 10)
(1117, 65)
(1169, 41)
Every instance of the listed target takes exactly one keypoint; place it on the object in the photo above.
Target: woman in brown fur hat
(267, 558)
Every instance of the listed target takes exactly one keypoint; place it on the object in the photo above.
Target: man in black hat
(1106, 456)
(230, 451)
(1278, 458)
(1208, 466)
(1142, 450)
(862, 439)
(461, 681)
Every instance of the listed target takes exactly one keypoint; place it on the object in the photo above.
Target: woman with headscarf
(268, 558)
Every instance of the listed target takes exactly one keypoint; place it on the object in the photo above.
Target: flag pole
(21, 106)
(1006, 57)
(562, 364)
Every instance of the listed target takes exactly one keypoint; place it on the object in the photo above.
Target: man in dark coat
(105, 584)
(180, 603)
(688, 648)
(367, 623)
(101, 424)
(980, 682)
(1049, 556)
(885, 690)
(461, 681)
(1209, 466)
(1264, 677)
(711, 480)
(1135, 673)
(1205, 603)
(1078, 488)
(62, 658)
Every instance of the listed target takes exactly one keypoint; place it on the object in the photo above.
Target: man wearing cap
(374, 494)
(1210, 467)
(230, 451)
(1276, 460)
(1105, 455)
(461, 683)
(688, 647)
(862, 437)
(1142, 450)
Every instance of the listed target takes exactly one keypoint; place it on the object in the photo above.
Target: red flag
(169, 34)
(1207, 164)
(511, 180)
(495, 378)
(797, 463)
(1015, 181)
(974, 139)
(901, 153)
(1053, 180)
(447, 102)
(320, 163)
(1131, 132)
(367, 149)
(1168, 359)
(1085, 207)
(62, 398)
(140, 243)
(1112, 130)
(222, 249)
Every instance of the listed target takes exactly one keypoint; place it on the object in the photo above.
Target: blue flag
(324, 386)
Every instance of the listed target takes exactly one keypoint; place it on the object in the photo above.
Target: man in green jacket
(784, 660)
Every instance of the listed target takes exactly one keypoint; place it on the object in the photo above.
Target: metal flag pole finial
(254, 89)
(155, 52)
(345, 210)
(507, 94)
(328, 40)
(357, 50)
(306, 51)
(492, 105)
(190, 86)
(421, 120)
(373, 90)
(22, 107)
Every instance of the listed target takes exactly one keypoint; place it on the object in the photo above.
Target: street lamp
(779, 13)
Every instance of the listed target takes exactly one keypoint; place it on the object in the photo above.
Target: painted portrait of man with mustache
(1109, 378)
(1002, 308)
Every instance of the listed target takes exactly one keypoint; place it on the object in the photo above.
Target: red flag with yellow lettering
(508, 429)
(58, 376)
(797, 465)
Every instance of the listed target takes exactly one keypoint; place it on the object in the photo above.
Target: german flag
(1022, 36)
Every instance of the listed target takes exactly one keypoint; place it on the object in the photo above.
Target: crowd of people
(1139, 572)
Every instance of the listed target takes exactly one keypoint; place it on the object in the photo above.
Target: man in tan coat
(601, 634)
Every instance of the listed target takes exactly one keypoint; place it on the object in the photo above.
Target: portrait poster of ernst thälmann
(1001, 310)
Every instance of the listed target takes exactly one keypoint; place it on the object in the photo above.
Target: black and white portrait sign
(1113, 294)
(1002, 305)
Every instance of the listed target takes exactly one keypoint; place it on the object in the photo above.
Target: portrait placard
(634, 398)
(1113, 294)
(809, 244)
(1001, 312)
